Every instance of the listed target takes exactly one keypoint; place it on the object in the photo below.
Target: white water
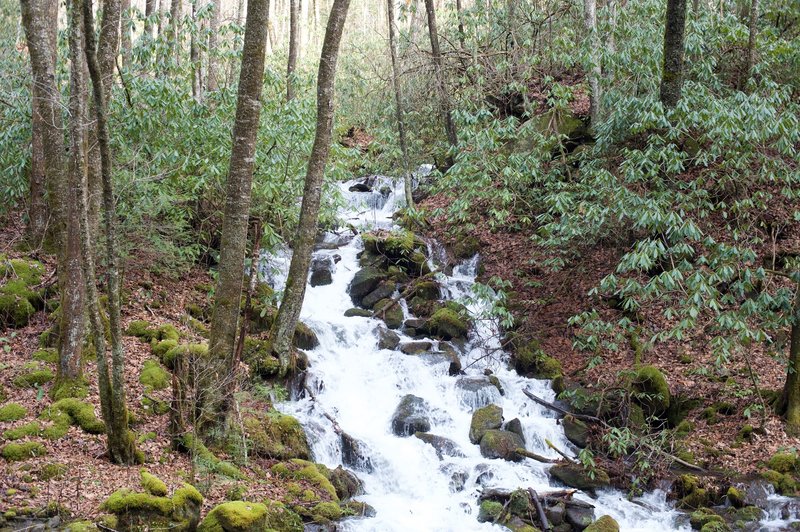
(360, 386)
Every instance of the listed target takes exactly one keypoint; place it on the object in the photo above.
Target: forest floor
(542, 302)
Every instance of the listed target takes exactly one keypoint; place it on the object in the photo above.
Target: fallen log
(539, 510)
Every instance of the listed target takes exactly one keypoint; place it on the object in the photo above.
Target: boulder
(411, 416)
(427, 290)
(354, 454)
(244, 516)
(390, 312)
(579, 516)
(575, 476)
(447, 324)
(515, 426)
(415, 348)
(476, 391)
(444, 446)
(305, 337)
(360, 312)
(347, 485)
(276, 436)
(322, 267)
(382, 291)
(575, 430)
(487, 418)
(501, 444)
(365, 281)
(605, 523)
(651, 383)
(387, 339)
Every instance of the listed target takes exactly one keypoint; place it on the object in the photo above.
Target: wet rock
(415, 323)
(486, 418)
(359, 509)
(346, 484)
(305, 337)
(415, 348)
(575, 476)
(361, 312)
(391, 313)
(605, 523)
(365, 281)
(579, 517)
(411, 416)
(387, 339)
(275, 435)
(322, 267)
(362, 186)
(382, 291)
(427, 290)
(515, 426)
(458, 476)
(501, 444)
(354, 454)
(454, 369)
(483, 474)
(476, 392)
(444, 446)
(575, 430)
(556, 513)
(447, 324)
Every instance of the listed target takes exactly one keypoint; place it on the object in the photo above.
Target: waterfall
(360, 385)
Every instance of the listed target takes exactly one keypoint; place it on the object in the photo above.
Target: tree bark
(595, 73)
(289, 311)
(751, 43)
(175, 13)
(444, 98)
(460, 16)
(792, 386)
(194, 58)
(125, 33)
(228, 293)
(672, 73)
(149, 9)
(212, 83)
(121, 445)
(398, 98)
(294, 30)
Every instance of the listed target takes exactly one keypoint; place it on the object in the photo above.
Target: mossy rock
(152, 484)
(16, 452)
(605, 523)
(365, 281)
(80, 526)
(34, 428)
(259, 357)
(489, 511)
(466, 247)
(70, 388)
(276, 436)
(19, 300)
(186, 351)
(12, 412)
(531, 361)
(47, 355)
(502, 444)
(576, 431)
(235, 516)
(384, 290)
(748, 514)
(447, 324)
(154, 377)
(316, 474)
(397, 246)
(651, 383)
(784, 483)
(715, 526)
(141, 329)
(575, 476)
(134, 510)
(357, 312)
(347, 485)
(52, 471)
(325, 512)
(783, 462)
(304, 337)
(390, 312)
(160, 349)
(207, 459)
(489, 417)
(71, 411)
(34, 378)
(427, 290)
(702, 516)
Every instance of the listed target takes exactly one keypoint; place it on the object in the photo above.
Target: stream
(359, 385)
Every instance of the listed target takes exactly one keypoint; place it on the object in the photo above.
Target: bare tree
(228, 293)
(212, 81)
(792, 387)
(294, 38)
(125, 32)
(595, 73)
(194, 58)
(751, 42)
(672, 73)
(438, 63)
(149, 9)
(398, 98)
(303, 243)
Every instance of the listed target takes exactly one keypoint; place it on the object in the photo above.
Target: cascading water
(359, 386)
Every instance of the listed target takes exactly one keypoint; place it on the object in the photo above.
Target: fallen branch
(559, 451)
(539, 458)
(539, 510)
(556, 408)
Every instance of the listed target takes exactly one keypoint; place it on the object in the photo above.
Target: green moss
(208, 459)
(489, 511)
(715, 526)
(531, 361)
(81, 526)
(447, 323)
(66, 388)
(147, 436)
(703, 516)
(34, 428)
(784, 483)
(125, 500)
(307, 471)
(783, 462)
(275, 435)
(487, 418)
(187, 351)
(684, 428)
(236, 516)
(390, 312)
(735, 497)
(53, 470)
(153, 376)
(152, 484)
(160, 348)
(651, 382)
(15, 452)
(141, 329)
(605, 523)
(48, 355)
(12, 412)
(80, 414)
(185, 495)
(34, 378)
(325, 512)
(167, 332)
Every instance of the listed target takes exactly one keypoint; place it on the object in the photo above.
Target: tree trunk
(460, 16)
(72, 290)
(125, 32)
(233, 246)
(163, 11)
(121, 445)
(289, 311)
(212, 83)
(398, 98)
(590, 22)
(294, 30)
(175, 13)
(194, 57)
(39, 24)
(672, 74)
(149, 9)
(792, 387)
(751, 43)
(447, 115)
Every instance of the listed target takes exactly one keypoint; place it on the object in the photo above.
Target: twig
(559, 451)
(539, 458)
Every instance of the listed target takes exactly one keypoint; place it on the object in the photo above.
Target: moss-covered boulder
(411, 416)
(691, 494)
(384, 290)
(16, 452)
(783, 462)
(501, 444)
(152, 484)
(489, 511)
(316, 475)
(304, 337)
(33, 376)
(575, 476)
(390, 312)
(135, 510)
(443, 446)
(357, 312)
(71, 411)
(365, 281)
(576, 431)
(605, 523)
(652, 389)
(258, 355)
(236, 516)
(427, 290)
(12, 412)
(20, 296)
(446, 323)
(346, 484)
(702, 516)
(531, 361)
(153, 376)
(276, 436)
(185, 352)
(489, 417)
(207, 459)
